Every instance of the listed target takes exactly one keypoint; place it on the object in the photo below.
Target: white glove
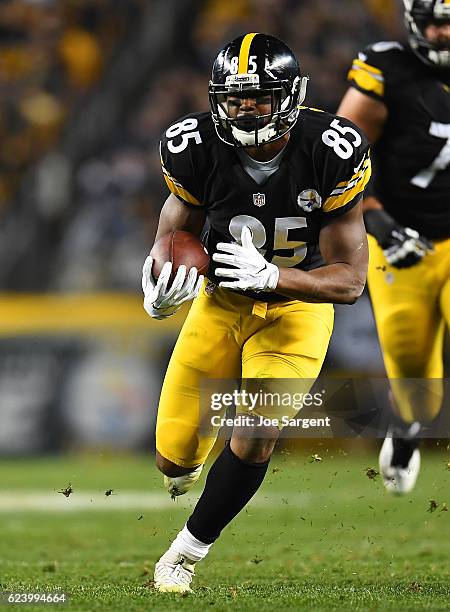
(161, 301)
(251, 270)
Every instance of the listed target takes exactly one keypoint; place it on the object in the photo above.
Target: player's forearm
(338, 283)
(176, 216)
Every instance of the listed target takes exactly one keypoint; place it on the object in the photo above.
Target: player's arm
(369, 114)
(402, 246)
(343, 245)
(183, 210)
(176, 216)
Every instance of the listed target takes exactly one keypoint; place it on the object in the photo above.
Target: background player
(279, 187)
(400, 97)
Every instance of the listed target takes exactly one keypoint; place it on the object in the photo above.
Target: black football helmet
(256, 65)
(418, 15)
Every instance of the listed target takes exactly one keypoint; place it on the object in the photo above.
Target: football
(181, 248)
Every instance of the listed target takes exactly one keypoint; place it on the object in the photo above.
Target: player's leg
(445, 302)
(230, 484)
(410, 330)
(445, 308)
(205, 349)
(414, 402)
(290, 343)
(285, 357)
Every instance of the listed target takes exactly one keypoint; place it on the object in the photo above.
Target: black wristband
(380, 225)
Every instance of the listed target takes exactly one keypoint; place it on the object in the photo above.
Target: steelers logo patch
(309, 199)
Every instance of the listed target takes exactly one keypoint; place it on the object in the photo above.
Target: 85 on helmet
(252, 66)
(418, 15)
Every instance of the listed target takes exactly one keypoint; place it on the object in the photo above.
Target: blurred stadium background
(86, 89)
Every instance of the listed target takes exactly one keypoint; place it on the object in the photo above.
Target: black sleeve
(373, 72)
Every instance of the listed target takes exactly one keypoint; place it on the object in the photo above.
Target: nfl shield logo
(259, 199)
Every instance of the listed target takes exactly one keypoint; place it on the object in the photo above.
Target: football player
(279, 187)
(400, 97)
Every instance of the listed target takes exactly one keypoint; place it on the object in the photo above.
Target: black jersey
(412, 158)
(322, 174)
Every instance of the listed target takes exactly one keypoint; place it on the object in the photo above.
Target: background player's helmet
(256, 64)
(418, 15)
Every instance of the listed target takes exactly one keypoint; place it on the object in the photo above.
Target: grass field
(320, 535)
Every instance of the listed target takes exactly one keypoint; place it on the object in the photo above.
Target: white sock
(190, 547)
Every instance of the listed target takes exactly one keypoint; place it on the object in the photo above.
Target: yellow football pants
(230, 336)
(412, 307)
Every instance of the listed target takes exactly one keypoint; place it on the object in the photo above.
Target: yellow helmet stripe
(244, 52)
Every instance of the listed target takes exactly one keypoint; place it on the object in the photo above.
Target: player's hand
(403, 247)
(407, 248)
(248, 268)
(162, 299)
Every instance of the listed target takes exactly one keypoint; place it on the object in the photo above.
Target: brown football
(181, 248)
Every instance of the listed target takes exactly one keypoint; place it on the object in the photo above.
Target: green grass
(322, 537)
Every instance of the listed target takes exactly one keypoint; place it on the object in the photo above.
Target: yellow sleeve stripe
(367, 77)
(364, 66)
(358, 172)
(344, 198)
(340, 190)
(244, 53)
(177, 189)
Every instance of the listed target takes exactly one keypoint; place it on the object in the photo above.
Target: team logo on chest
(309, 199)
(259, 199)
